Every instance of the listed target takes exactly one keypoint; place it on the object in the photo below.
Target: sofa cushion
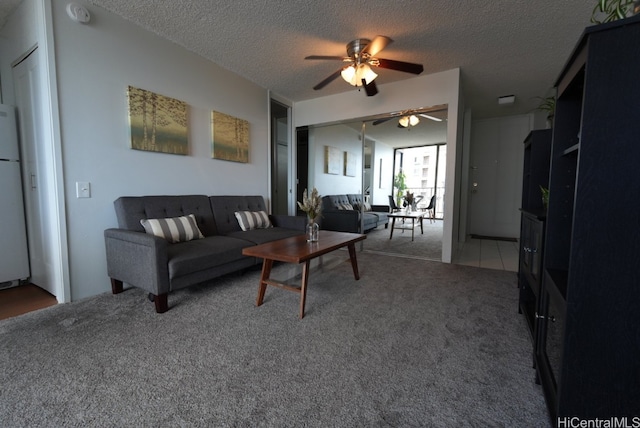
(345, 207)
(249, 220)
(175, 229)
(131, 209)
(366, 206)
(201, 254)
(224, 208)
(334, 202)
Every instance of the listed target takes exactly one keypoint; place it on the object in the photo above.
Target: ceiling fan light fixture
(349, 75)
(354, 74)
(365, 72)
(406, 121)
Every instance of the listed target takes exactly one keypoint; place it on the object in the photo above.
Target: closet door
(37, 162)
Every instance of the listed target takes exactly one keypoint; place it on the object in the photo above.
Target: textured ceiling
(502, 47)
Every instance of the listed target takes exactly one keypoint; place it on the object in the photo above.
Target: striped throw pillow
(176, 229)
(249, 220)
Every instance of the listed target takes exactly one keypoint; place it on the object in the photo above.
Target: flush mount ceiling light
(506, 99)
(407, 121)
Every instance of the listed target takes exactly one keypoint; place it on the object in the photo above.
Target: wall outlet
(83, 189)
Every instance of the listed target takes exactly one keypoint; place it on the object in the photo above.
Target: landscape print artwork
(157, 123)
(230, 137)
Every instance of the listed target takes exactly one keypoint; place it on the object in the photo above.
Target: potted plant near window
(612, 10)
(399, 182)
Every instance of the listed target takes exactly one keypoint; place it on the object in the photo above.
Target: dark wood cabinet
(587, 351)
(537, 152)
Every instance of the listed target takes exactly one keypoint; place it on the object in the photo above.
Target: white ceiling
(502, 46)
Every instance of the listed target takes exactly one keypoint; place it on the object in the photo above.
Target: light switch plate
(83, 189)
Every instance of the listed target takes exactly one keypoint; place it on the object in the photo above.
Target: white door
(495, 178)
(36, 160)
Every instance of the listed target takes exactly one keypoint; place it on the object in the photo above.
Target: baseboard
(494, 238)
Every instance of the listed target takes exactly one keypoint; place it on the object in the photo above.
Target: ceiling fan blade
(339, 58)
(371, 89)
(437, 119)
(379, 121)
(407, 67)
(328, 80)
(376, 45)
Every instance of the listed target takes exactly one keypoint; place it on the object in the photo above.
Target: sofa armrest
(289, 221)
(341, 221)
(138, 259)
(381, 208)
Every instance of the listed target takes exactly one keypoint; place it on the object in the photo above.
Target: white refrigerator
(14, 256)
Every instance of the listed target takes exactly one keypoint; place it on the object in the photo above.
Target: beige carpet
(447, 349)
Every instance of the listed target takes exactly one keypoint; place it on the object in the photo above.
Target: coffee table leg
(266, 272)
(354, 261)
(303, 288)
(393, 225)
(421, 229)
(413, 227)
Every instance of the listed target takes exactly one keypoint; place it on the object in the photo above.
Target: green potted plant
(399, 182)
(548, 104)
(612, 10)
(545, 197)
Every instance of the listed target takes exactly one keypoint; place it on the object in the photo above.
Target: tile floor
(487, 253)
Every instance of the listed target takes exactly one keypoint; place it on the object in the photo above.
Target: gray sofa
(152, 263)
(335, 217)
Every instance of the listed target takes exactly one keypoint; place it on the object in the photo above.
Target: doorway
(373, 142)
(26, 75)
(44, 215)
(279, 158)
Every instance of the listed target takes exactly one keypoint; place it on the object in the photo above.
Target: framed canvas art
(349, 164)
(332, 160)
(157, 123)
(230, 138)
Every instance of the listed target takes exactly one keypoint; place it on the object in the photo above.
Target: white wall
(344, 139)
(418, 92)
(95, 64)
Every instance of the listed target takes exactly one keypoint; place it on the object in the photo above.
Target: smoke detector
(78, 13)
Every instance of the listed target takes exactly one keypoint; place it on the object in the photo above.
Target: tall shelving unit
(587, 350)
(537, 152)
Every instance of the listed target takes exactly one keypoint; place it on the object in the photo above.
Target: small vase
(312, 230)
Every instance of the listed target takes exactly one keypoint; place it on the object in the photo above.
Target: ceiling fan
(407, 118)
(361, 57)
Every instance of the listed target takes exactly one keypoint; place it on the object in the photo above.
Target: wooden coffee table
(297, 250)
(414, 216)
